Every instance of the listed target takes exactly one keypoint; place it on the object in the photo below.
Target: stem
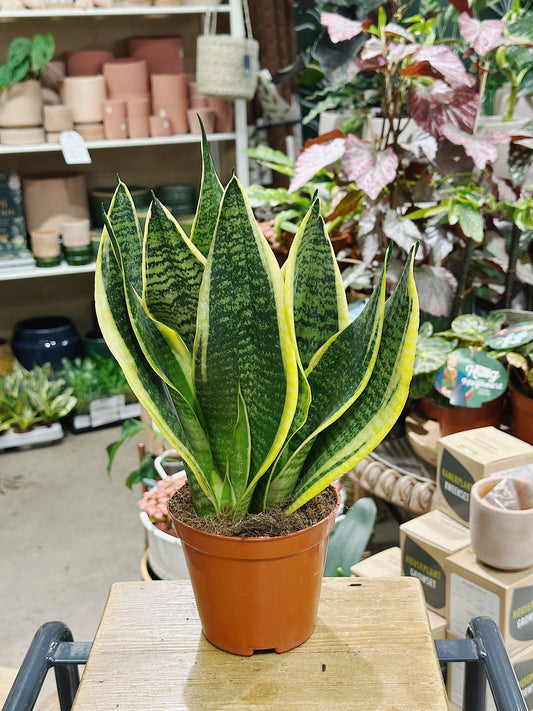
(457, 305)
(511, 269)
(511, 103)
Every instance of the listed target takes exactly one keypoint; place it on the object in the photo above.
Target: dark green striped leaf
(172, 273)
(243, 342)
(211, 191)
(357, 432)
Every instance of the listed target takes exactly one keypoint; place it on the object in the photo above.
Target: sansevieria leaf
(172, 273)
(367, 421)
(337, 376)
(243, 342)
(316, 301)
(114, 321)
(211, 192)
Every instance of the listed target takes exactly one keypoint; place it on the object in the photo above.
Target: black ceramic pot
(45, 339)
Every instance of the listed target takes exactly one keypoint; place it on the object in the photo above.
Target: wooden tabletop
(371, 649)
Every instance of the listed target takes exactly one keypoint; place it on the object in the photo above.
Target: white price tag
(106, 410)
(74, 149)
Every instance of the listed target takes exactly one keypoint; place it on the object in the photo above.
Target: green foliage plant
(26, 57)
(92, 378)
(254, 375)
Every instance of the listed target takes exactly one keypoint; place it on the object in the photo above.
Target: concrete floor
(67, 532)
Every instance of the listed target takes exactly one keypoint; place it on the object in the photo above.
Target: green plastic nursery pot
(257, 594)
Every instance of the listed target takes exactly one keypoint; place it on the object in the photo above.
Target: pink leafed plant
(155, 501)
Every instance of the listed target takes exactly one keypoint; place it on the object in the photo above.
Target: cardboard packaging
(474, 589)
(465, 457)
(522, 665)
(426, 542)
(385, 564)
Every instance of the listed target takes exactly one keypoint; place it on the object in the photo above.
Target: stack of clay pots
(21, 109)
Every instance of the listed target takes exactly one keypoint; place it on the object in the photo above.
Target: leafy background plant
(26, 57)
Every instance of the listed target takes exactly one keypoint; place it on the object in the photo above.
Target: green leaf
(130, 428)
(349, 538)
(114, 321)
(19, 49)
(211, 191)
(42, 51)
(315, 295)
(172, 273)
(243, 342)
(239, 461)
(357, 432)
(471, 222)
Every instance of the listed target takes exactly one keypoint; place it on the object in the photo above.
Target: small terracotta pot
(115, 128)
(169, 89)
(137, 106)
(160, 126)
(57, 117)
(87, 62)
(257, 593)
(115, 108)
(178, 117)
(138, 126)
(46, 247)
(459, 419)
(126, 77)
(85, 96)
(502, 538)
(205, 115)
(21, 105)
(522, 415)
(90, 131)
(164, 55)
(223, 113)
(76, 232)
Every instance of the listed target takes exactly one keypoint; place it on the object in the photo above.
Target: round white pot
(165, 554)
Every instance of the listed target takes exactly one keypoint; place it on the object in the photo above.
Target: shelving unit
(154, 160)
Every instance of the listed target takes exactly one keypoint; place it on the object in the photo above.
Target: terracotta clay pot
(160, 126)
(177, 114)
(223, 113)
(206, 116)
(87, 62)
(164, 55)
(126, 77)
(85, 96)
(502, 537)
(459, 419)
(169, 89)
(138, 126)
(21, 105)
(522, 415)
(115, 109)
(257, 593)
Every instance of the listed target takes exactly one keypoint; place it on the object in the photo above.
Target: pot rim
(158, 533)
(265, 540)
(474, 493)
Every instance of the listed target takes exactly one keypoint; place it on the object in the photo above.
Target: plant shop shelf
(147, 9)
(32, 272)
(124, 143)
(38, 435)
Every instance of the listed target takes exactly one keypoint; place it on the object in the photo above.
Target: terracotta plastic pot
(459, 419)
(502, 537)
(257, 593)
(522, 415)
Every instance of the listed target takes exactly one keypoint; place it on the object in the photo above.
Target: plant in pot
(261, 383)
(20, 95)
(458, 377)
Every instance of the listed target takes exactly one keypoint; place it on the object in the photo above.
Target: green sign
(471, 378)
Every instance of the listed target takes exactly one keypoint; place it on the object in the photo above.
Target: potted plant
(458, 377)
(261, 383)
(20, 88)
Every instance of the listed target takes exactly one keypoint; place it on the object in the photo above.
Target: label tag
(511, 337)
(471, 378)
(74, 148)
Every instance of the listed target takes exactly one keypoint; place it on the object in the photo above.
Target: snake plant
(253, 373)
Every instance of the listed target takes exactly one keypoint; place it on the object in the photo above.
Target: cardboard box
(385, 564)
(426, 542)
(474, 589)
(437, 624)
(465, 457)
(522, 665)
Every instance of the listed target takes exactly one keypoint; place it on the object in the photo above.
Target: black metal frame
(483, 652)
(52, 646)
(486, 659)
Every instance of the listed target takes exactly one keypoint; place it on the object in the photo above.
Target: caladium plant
(254, 374)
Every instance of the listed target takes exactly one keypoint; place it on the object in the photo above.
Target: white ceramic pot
(502, 537)
(165, 554)
(21, 104)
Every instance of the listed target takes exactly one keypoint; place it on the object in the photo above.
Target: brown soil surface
(273, 522)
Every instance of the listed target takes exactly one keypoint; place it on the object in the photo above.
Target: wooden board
(372, 649)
